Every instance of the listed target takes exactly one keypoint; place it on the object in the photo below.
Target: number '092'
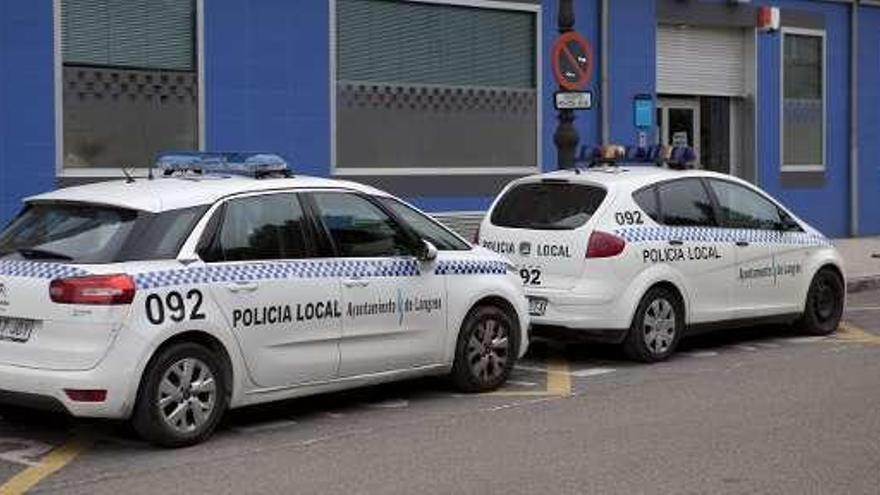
(175, 307)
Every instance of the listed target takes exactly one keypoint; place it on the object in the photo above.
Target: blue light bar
(678, 157)
(235, 163)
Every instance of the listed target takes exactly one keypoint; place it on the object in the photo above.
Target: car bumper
(45, 389)
(596, 317)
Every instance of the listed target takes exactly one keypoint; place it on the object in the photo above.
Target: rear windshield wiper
(32, 254)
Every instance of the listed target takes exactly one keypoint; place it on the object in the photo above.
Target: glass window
(647, 200)
(80, 233)
(360, 229)
(260, 228)
(740, 208)
(167, 232)
(547, 206)
(685, 202)
(426, 228)
(129, 82)
(432, 85)
(803, 104)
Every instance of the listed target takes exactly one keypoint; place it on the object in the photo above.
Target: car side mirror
(428, 251)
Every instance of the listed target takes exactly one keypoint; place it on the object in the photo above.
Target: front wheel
(824, 305)
(485, 352)
(656, 327)
(182, 398)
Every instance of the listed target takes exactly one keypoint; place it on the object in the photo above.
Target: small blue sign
(644, 111)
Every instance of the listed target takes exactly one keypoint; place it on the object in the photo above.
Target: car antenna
(128, 178)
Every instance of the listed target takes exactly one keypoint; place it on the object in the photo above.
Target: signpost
(572, 61)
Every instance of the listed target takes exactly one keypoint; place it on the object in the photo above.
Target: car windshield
(87, 233)
(548, 206)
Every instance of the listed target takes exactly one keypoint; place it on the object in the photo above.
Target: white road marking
(391, 404)
(533, 369)
(521, 383)
(744, 347)
(592, 372)
(23, 450)
(335, 415)
(768, 345)
(273, 425)
(806, 340)
(701, 354)
(863, 308)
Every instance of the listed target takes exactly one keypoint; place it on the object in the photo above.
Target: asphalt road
(759, 410)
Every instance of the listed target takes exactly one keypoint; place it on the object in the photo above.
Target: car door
(695, 246)
(769, 267)
(394, 305)
(283, 310)
(752, 221)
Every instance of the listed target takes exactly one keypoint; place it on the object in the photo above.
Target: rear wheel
(485, 352)
(183, 395)
(656, 327)
(824, 305)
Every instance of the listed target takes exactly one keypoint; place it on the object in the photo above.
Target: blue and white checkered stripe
(34, 269)
(712, 234)
(248, 272)
(471, 267)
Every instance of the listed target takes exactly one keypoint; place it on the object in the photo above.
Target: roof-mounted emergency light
(257, 165)
(677, 157)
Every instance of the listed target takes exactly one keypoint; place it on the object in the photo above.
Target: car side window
(256, 228)
(741, 208)
(647, 200)
(359, 228)
(426, 228)
(685, 202)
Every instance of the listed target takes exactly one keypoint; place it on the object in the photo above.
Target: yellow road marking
(850, 333)
(54, 460)
(558, 378)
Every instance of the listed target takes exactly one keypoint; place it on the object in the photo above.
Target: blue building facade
(295, 77)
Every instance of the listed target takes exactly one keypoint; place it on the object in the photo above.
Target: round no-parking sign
(572, 60)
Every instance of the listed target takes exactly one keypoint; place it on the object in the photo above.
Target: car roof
(623, 175)
(171, 193)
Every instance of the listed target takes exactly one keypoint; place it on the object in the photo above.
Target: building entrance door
(706, 123)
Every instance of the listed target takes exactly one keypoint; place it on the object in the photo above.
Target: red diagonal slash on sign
(565, 53)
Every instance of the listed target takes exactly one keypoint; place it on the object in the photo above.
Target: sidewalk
(861, 257)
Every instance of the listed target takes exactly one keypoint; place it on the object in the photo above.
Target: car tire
(485, 351)
(182, 397)
(823, 308)
(656, 327)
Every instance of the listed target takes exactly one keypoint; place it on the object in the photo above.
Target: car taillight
(93, 289)
(604, 245)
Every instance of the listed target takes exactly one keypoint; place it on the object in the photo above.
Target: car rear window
(87, 233)
(548, 206)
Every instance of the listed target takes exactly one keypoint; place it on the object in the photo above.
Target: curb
(862, 284)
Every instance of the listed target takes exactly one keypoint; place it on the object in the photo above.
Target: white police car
(171, 300)
(639, 255)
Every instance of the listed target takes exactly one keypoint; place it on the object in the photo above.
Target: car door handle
(742, 243)
(355, 283)
(676, 242)
(242, 287)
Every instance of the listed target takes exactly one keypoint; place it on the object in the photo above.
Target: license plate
(537, 306)
(16, 329)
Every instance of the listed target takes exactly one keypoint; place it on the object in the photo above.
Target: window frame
(535, 9)
(816, 33)
(58, 66)
(323, 238)
(660, 209)
(209, 227)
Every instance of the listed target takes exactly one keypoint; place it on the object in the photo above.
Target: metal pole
(604, 86)
(566, 136)
(854, 121)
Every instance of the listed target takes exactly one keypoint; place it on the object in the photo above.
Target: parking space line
(558, 378)
(847, 332)
(54, 460)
